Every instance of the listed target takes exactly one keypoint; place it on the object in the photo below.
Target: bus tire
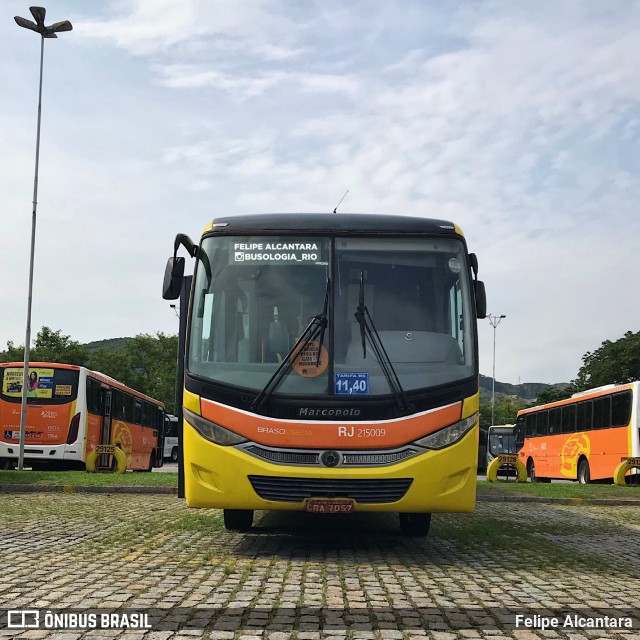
(118, 456)
(620, 474)
(238, 519)
(494, 467)
(174, 454)
(415, 525)
(584, 473)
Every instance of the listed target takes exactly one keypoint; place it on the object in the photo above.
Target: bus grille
(298, 489)
(371, 459)
(347, 458)
(284, 457)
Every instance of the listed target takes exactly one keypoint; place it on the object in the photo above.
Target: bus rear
(331, 366)
(53, 421)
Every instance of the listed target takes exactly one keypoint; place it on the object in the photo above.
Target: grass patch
(202, 522)
(533, 548)
(83, 478)
(558, 490)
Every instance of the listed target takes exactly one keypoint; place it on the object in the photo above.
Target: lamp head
(38, 14)
(39, 27)
(27, 24)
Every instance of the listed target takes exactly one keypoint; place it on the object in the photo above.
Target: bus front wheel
(238, 519)
(415, 524)
(584, 473)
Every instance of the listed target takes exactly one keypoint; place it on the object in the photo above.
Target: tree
(612, 363)
(145, 363)
(554, 394)
(49, 346)
(505, 411)
(154, 366)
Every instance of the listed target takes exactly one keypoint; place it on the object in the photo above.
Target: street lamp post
(494, 321)
(38, 26)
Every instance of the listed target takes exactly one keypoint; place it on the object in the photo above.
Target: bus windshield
(502, 441)
(47, 385)
(261, 293)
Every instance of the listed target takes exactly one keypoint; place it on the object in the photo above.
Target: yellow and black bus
(330, 365)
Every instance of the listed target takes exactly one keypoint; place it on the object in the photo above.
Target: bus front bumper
(218, 477)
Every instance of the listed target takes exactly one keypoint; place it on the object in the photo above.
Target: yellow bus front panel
(439, 480)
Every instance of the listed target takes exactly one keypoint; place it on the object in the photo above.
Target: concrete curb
(65, 488)
(481, 497)
(612, 502)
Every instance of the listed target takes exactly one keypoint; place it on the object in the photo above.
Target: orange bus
(70, 411)
(582, 438)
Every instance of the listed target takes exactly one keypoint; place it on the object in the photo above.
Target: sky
(519, 121)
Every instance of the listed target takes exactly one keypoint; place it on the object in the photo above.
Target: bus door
(105, 433)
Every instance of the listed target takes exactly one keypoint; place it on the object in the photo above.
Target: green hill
(527, 391)
(110, 344)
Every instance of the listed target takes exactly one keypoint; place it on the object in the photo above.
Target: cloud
(517, 121)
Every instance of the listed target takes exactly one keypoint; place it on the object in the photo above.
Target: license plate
(316, 505)
(105, 448)
(508, 458)
(635, 462)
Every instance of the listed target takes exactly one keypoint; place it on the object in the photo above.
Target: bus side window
(569, 418)
(519, 431)
(93, 397)
(554, 421)
(542, 423)
(137, 412)
(584, 418)
(530, 425)
(621, 409)
(602, 413)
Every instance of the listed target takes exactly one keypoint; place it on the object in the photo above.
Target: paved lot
(307, 578)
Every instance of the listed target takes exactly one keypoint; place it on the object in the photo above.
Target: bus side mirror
(473, 259)
(173, 274)
(481, 299)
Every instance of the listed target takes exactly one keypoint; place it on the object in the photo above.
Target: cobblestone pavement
(311, 577)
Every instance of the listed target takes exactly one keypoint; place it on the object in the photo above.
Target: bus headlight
(212, 431)
(449, 435)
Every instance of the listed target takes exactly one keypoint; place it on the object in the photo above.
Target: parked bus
(582, 438)
(331, 366)
(501, 438)
(170, 449)
(70, 411)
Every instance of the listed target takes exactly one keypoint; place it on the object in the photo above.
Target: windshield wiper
(315, 329)
(368, 330)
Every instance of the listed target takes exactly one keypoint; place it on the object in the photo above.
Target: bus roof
(41, 365)
(347, 223)
(586, 395)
